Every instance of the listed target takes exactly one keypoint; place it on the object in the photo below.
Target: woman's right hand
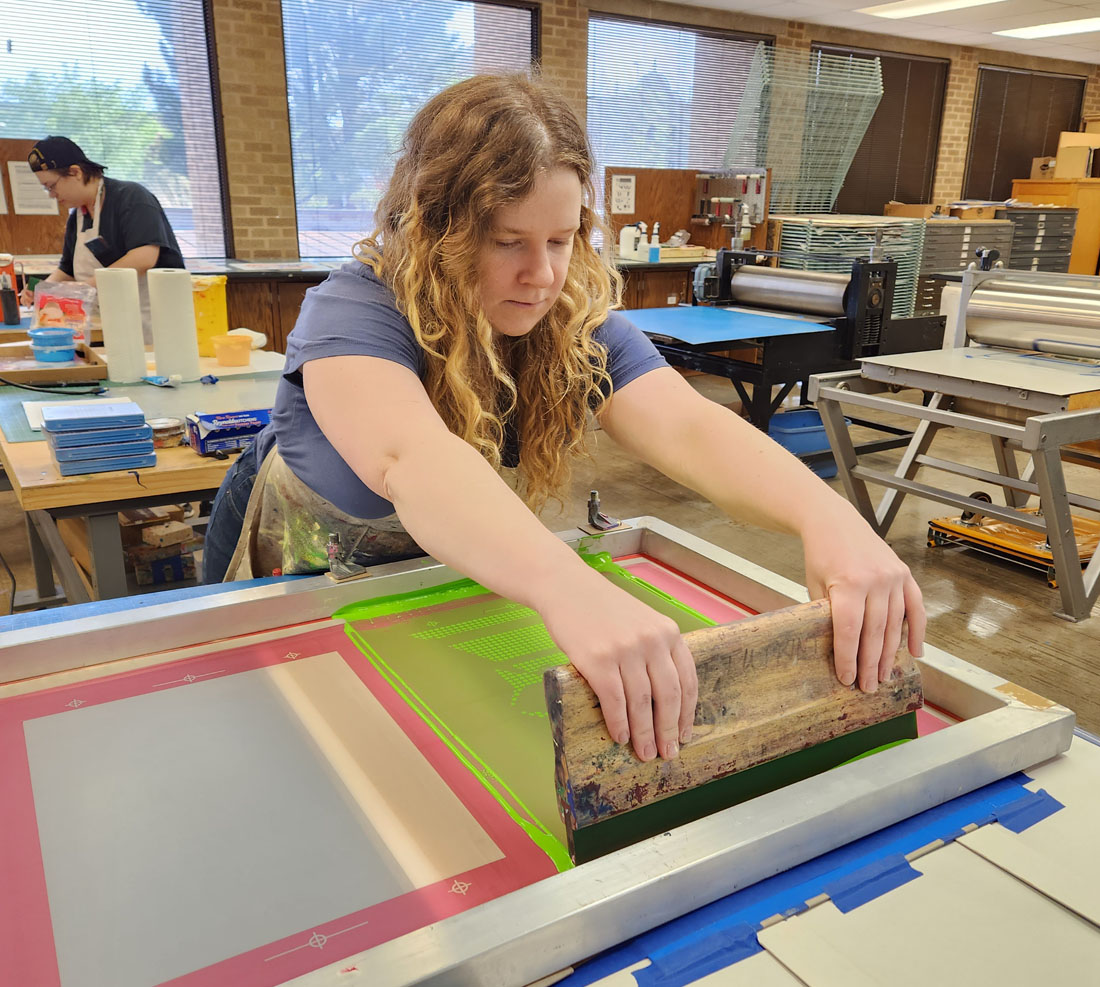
(634, 659)
(26, 297)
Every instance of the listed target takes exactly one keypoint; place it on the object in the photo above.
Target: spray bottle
(9, 301)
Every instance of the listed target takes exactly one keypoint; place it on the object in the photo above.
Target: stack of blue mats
(95, 438)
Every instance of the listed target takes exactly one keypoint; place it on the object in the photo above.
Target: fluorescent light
(918, 8)
(1053, 30)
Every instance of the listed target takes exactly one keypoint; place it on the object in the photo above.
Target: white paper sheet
(28, 198)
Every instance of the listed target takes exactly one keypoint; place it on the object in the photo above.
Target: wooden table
(46, 496)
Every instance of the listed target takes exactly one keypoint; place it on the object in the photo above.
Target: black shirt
(130, 217)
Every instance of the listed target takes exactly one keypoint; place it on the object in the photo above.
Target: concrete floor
(996, 615)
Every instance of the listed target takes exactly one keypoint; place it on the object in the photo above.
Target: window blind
(130, 81)
(356, 75)
(1017, 116)
(663, 95)
(897, 157)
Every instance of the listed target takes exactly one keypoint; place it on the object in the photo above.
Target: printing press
(1020, 362)
(778, 326)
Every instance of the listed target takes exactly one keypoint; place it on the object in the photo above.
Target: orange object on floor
(1010, 541)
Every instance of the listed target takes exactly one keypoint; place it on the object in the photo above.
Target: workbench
(179, 476)
(818, 877)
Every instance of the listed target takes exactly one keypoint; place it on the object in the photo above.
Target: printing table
(789, 349)
(851, 841)
(178, 476)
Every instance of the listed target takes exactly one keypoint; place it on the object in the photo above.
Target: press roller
(858, 305)
(1057, 314)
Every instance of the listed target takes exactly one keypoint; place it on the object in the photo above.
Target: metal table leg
(40, 559)
(108, 565)
(59, 556)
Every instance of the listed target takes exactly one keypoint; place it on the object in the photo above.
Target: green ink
(385, 606)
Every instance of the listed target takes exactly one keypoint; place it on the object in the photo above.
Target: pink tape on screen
(26, 936)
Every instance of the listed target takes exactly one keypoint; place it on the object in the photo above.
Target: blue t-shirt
(353, 314)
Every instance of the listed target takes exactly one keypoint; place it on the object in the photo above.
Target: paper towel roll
(120, 312)
(175, 342)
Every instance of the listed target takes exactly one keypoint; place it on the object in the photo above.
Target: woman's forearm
(463, 514)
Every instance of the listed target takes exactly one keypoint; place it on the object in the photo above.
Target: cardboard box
(919, 210)
(132, 522)
(1092, 125)
(1074, 162)
(1042, 167)
(226, 432)
(975, 212)
(169, 533)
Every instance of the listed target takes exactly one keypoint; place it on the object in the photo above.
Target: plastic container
(53, 345)
(167, 432)
(233, 351)
(801, 432)
(211, 314)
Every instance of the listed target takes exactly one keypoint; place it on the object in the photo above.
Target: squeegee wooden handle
(767, 687)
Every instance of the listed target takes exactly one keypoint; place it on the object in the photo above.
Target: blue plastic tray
(113, 450)
(106, 465)
(73, 417)
(98, 436)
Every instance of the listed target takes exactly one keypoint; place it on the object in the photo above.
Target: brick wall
(252, 78)
(958, 106)
(253, 89)
(1091, 106)
(564, 40)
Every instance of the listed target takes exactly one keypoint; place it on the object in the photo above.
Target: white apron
(85, 263)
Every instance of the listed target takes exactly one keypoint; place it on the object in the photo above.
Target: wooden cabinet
(267, 306)
(1084, 194)
(652, 287)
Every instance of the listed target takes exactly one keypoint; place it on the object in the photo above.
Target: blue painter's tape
(869, 882)
(791, 889)
(1027, 810)
(713, 949)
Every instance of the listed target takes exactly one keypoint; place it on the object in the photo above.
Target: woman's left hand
(871, 592)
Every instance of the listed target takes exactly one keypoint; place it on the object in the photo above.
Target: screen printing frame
(547, 926)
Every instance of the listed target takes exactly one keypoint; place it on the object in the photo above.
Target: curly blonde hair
(473, 148)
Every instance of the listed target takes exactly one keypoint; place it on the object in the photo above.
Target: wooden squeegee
(767, 691)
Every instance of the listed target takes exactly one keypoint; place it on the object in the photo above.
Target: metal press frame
(1041, 436)
(543, 928)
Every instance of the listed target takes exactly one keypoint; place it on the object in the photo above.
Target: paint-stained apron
(287, 529)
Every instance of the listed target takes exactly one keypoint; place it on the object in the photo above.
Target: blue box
(106, 465)
(225, 432)
(75, 417)
(801, 432)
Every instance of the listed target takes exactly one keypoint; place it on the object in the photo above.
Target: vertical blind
(1017, 116)
(131, 82)
(663, 95)
(356, 75)
(897, 158)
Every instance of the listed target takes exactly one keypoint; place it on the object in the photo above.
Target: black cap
(57, 154)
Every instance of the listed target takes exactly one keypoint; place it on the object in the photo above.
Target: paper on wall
(28, 197)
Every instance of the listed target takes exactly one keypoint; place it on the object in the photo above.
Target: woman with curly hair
(475, 331)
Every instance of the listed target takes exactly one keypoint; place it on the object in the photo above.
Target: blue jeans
(227, 515)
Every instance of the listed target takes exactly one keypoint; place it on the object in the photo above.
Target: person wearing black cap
(111, 223)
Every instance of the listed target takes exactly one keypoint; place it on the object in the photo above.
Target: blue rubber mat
(699, 325)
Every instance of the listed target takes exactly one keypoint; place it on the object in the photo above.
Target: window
(130, 82)
(662, 95)
(897, 157)
(356, 75)
(1017, 116)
